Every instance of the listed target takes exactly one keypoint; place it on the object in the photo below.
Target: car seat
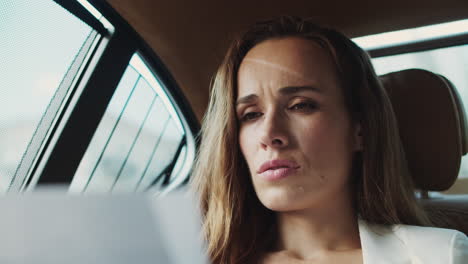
(432, 125)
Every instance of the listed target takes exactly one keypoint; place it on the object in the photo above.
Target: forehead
(285, 62)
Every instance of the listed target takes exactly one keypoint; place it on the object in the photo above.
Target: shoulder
(446, 245)
(426, 233)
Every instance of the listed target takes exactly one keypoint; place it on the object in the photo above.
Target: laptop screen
(56, 228)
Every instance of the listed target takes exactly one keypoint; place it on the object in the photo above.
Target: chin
(281, 200)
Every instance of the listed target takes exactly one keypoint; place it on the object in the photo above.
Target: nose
(274, 131)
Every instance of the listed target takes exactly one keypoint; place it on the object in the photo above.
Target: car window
(86, 103)
(138, 141)
(43, 46)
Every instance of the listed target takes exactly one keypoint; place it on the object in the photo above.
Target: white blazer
(405, 244)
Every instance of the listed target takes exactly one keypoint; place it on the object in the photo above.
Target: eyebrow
(297, 89)
(246, 99)
(284, 91)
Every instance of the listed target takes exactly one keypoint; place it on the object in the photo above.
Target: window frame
(72, 132)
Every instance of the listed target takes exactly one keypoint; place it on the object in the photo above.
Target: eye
(304, 107)
(250, 116)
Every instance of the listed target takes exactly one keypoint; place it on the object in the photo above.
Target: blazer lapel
(380, 245)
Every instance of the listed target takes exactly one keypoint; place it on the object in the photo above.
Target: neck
(312, 232)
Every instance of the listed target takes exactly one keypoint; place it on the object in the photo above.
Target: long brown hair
(238, 228)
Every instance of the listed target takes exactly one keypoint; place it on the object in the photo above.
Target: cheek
(326, 142)
(247, 144)
(313, 132)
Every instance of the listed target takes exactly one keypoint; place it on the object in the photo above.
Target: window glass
(39, 43)
(450, 62)
(164, 155)
(136, 143)
(413, 34)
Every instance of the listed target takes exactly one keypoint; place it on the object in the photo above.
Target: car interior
(429, 110)
(123, 113)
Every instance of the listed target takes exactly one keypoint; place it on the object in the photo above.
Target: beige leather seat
(433, 130)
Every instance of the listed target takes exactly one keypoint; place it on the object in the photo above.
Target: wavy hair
(237, 227)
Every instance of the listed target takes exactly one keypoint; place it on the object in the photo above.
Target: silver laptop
(50, 227)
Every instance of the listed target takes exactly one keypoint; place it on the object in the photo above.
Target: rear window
(139, 140)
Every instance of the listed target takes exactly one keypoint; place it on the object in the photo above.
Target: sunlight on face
(295, 132)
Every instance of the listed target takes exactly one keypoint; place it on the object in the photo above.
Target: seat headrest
(432, 126)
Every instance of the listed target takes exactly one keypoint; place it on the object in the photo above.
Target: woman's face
(295, 132)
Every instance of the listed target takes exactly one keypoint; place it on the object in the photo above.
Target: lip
(277, 169)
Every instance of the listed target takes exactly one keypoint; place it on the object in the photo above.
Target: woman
(301, 160)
